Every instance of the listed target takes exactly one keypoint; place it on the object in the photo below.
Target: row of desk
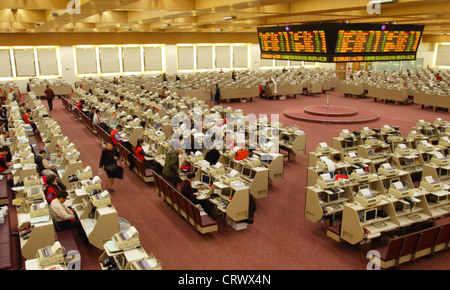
(202, 85)
(59, 87)
(95, 211)
(157, 141)
(417, 86)
(251, 175)
(403, 182)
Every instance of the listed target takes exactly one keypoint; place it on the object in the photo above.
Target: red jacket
(25, 118)
(3, 163)
(50, 194)
(138, 154)
(113, 136)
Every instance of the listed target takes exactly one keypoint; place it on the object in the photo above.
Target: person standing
(108, 162)
(217, 94)
(50, 95)
(171, 169)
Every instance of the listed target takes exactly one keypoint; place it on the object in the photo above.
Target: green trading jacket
(171, 164)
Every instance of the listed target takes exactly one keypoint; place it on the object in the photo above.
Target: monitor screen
(363, 186)
(226, 191)
(333, 197)
(370, 214)
(246, 171)
(265, 157)
(205, 178)
(409, 161)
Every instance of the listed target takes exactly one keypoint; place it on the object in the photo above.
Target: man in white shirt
(97, 120)
(3, 138)
(62, 215)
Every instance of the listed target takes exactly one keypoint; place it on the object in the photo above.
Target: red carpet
(280, 238)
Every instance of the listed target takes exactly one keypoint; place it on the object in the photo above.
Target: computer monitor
(246, 171)
(206, 179)
(232, 164)
(409, 161)
(265, 158)
(262, 140)
(226, 191)
(363, 186)
(393, 180)
(428, 132)
(442, 198)
(332, 196)
(370, 214)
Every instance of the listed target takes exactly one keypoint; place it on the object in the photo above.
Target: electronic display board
(340, 42)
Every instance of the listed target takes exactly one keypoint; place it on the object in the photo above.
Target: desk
(351, 89)
(41, 236)
(436, 101)
(397, 95)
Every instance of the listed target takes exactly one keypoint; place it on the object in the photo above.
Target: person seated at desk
(191, 193)
(4, 165)
(186, 187)
(163, 93)
(116, 139)
(52, 189)
(3, 138)
(98, 121)
(29, 120)
(140, 153)
(62, 215)
(91, 113)
(44, 167)
(3, 117)
(23, 109)
(80, 105)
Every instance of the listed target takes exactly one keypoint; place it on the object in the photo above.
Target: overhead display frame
(340, 42)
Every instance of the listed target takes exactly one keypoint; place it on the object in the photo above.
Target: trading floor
(352, 154)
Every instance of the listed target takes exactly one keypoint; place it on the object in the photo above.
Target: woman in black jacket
(108, 162)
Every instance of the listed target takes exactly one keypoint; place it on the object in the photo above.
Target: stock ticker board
(339, 42)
